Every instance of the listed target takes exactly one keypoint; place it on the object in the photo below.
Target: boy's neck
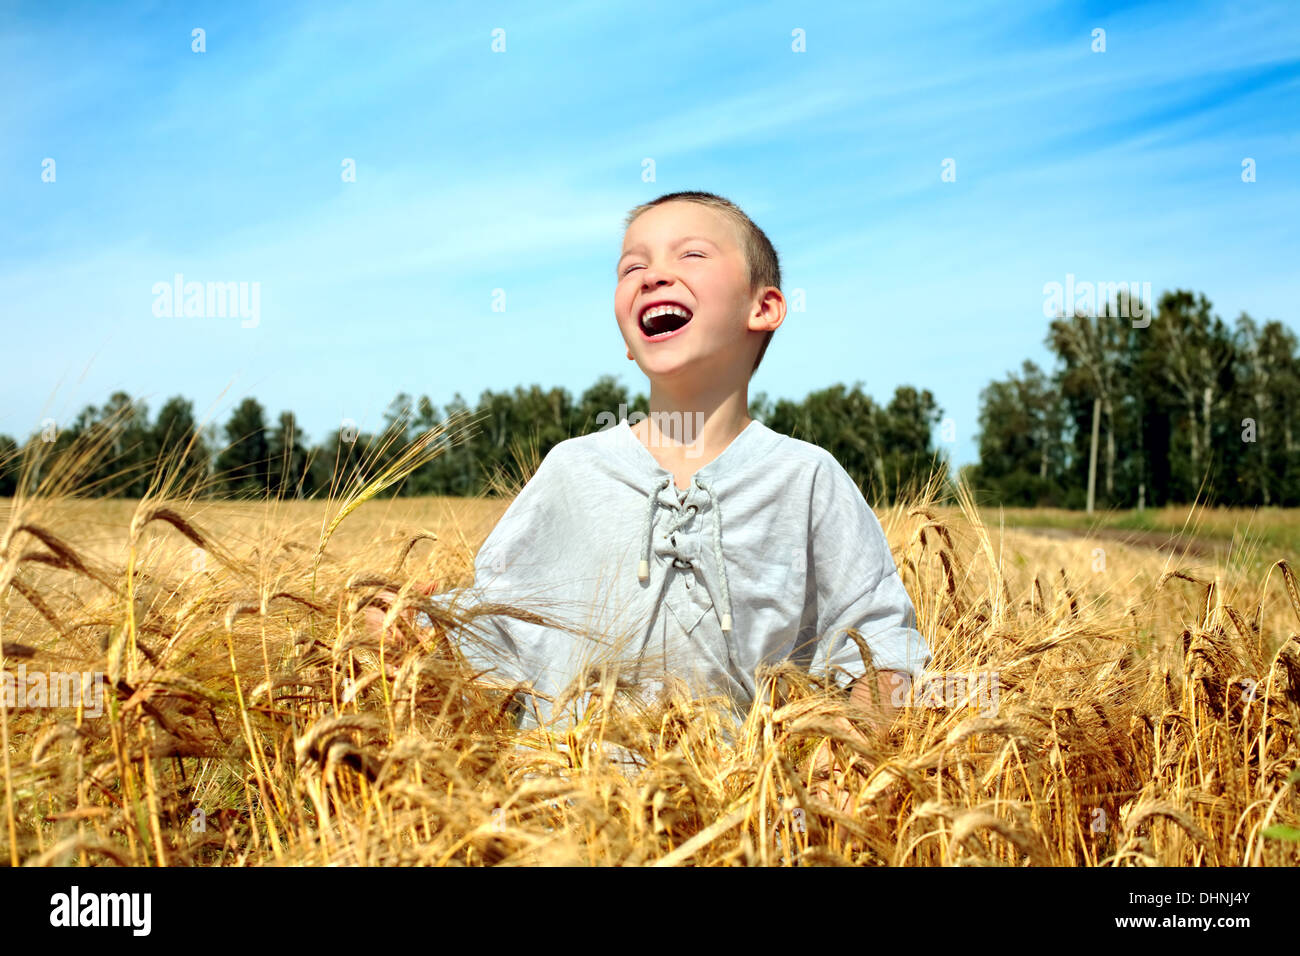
(686, 433)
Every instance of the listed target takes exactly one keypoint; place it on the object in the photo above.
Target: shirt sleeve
(514, 564)
(858, 586)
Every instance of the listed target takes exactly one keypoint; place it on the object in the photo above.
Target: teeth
(659, 310)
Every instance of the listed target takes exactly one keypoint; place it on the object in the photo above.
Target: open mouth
(664, 320)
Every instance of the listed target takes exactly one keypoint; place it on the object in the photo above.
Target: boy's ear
(778, 313)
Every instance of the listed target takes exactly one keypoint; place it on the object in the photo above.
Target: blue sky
(478, 171)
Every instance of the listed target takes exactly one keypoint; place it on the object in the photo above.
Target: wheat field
(1146, 711)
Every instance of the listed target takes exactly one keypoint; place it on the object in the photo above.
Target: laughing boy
(698, 544)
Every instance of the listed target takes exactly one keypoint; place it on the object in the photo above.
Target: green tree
(1023, 455)
(847, 423)
(1198, 359)
(1094, 350)
(289, 459)
(243, 465)
(1267, 395)
(599, 406)
(9, 466)
(176, 443)
(906, 433)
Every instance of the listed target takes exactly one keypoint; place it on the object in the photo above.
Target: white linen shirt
(771, 554)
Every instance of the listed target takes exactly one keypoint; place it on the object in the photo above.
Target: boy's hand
(891, 685)
(374, 615)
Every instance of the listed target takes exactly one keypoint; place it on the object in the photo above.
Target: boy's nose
(648, 287)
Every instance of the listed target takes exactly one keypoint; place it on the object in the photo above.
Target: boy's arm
(525, 544)
(518, 558)
(858, 587)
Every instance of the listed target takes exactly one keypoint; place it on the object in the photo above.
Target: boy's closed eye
(697, 252)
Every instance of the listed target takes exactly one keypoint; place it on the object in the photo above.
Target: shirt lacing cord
(643, 570)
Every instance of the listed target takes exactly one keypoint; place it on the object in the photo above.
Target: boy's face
(690, 255)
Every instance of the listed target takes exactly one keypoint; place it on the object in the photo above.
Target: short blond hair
(760, 255)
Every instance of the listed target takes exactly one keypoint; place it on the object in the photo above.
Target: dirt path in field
(1156, 540)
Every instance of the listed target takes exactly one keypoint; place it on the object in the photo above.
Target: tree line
(1180, 403)
(886, 448)
(1135, 413)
